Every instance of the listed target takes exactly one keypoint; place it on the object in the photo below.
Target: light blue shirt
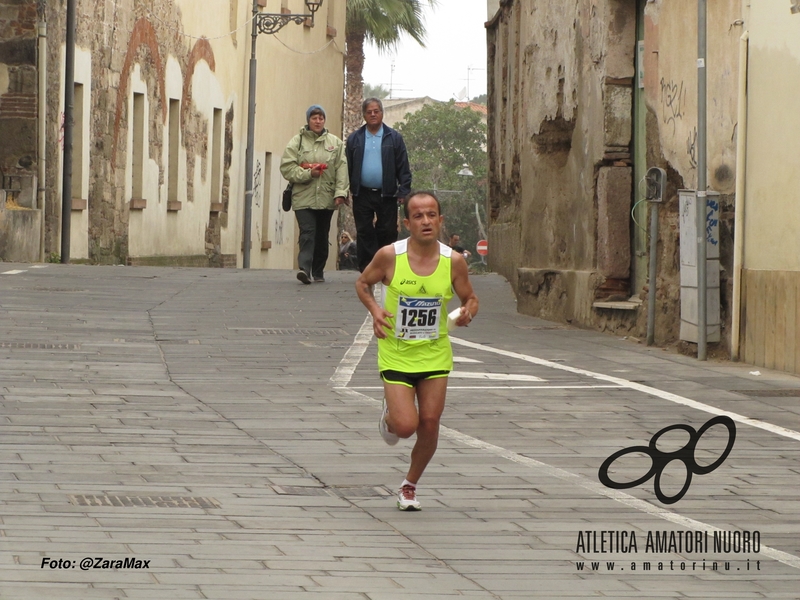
(372, 166)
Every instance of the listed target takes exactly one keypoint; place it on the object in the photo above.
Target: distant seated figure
(455, 244)
(347, 253)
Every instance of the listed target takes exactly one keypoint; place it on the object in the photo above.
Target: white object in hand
(452, 318)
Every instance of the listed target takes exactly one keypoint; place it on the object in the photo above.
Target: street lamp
(268, 23)
(467, 172)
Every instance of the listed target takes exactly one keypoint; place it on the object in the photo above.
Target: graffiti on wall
(673, 99)
(691, 147)
(257, 209)
(279, 228)
(712, 221)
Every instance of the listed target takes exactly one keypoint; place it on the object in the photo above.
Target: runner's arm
(463, 289)
(379, 270)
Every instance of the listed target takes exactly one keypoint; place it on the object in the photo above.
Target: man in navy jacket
(380, 179)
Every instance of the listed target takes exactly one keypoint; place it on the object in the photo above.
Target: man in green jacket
(314, 162)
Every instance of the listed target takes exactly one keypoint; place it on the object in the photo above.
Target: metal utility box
(689, 276)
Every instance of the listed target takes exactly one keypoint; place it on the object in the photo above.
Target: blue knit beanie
(311, 109)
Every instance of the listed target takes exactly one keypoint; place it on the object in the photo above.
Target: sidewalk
(222, 425)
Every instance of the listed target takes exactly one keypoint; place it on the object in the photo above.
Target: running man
(415, 358)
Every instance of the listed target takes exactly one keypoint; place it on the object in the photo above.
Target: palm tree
(376, 91)
(381, 22)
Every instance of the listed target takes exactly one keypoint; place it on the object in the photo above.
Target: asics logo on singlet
(419, 303)
(409, 282)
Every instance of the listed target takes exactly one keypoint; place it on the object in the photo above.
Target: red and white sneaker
(407, 498)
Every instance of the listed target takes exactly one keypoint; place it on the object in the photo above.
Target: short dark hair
(421, 193)
(369, 101)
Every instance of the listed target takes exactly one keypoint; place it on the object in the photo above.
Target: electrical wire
(333, 41)
(633, 209)
(169, 27)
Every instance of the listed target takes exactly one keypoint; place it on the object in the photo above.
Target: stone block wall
(18, 92)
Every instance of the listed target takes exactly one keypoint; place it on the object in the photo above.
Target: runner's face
(424, 221)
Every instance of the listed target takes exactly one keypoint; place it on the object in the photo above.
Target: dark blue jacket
(394, 159)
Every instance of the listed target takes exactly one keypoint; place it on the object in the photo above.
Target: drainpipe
(250, 150)
(69, 101)
(42, 159)
(738, 211)
(702, 181)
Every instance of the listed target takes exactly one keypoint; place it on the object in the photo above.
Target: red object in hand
(312, 166)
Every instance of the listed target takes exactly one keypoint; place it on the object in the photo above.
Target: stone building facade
(583, 98)
(18, 130)
(160, 123)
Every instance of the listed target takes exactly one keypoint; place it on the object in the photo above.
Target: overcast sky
(455, 48)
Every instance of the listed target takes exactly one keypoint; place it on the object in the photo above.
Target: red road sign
(482, 247)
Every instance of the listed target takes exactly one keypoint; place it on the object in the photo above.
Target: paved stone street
(218, 429)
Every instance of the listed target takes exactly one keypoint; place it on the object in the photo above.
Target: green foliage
(383, 21)
(442, 139)
(54, 257)
(482, 99)
(375, 91)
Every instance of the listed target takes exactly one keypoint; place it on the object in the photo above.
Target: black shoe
(319, 280)
(303, 277)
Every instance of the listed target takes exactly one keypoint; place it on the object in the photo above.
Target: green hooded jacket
(309, 192)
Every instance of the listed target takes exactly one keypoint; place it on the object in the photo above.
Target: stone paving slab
(198, 383)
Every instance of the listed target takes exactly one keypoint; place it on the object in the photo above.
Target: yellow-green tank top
(418, 341)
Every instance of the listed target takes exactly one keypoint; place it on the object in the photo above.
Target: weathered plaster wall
(180, 53)
(560, 110)
(771, 273)
(671, 85)
(671, 97)
(772, 222)
(561, 148)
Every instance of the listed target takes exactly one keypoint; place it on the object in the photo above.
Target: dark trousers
(368, 206)
(315, 226)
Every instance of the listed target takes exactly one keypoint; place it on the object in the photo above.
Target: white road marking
(645, 389)
(493, 376)
(598, 488)
(511, 387)
(352, 357)
(14, 272)
(464, 359)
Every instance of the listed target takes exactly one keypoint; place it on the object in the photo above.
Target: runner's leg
(430, 397)
(403, 418)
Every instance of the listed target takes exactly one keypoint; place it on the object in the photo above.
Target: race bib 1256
(418, 318)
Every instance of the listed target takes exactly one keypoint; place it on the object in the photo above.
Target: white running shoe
(388, 437)
(407, 498)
